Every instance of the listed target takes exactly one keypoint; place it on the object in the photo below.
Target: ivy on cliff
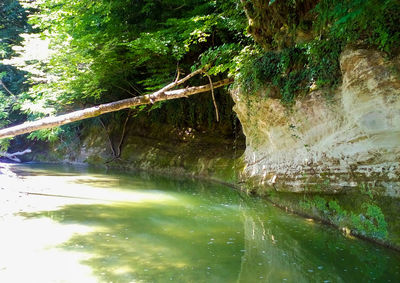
(373, 22)
(296, 57)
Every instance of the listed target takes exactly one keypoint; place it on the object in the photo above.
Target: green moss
(291, 71)
(364, 218)
(370, 223)
(95, 160)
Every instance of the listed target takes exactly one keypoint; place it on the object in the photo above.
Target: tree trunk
(160, 95)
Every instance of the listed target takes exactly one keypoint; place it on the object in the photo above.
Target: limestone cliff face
(332, 142)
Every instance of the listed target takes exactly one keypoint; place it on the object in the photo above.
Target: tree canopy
(108, 50)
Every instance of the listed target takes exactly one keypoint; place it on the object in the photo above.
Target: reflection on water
(281, 247)
(118, 227)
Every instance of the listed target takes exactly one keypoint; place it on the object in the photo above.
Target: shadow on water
(282, 248)
(182, 242)
(187, 231)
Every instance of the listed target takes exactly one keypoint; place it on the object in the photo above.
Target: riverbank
(11, 199)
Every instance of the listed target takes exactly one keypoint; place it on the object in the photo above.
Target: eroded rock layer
(348, 139)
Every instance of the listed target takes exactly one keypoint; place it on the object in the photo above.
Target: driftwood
(160, 95)
(13, 156)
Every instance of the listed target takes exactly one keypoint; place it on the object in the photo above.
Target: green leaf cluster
(12, 80)
(368, 221)
(114, 49)
(12, 24)
(107, 49)
(291, 72)
(375, 22)
(371, 223)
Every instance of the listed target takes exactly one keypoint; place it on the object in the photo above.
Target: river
(79, 224)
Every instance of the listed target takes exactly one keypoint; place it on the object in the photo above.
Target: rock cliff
(328, 141)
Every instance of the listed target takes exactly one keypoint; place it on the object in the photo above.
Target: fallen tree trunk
(163, 94)
(13, 156)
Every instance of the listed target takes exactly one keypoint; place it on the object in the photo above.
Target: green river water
(84, 225)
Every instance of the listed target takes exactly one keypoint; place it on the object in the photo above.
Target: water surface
(86, 225)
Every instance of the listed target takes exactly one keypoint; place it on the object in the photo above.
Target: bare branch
(134, 88)
(4, 86)
(178, 73)
(108, 136)
(123, 134)
(213, 97)
(127, 91)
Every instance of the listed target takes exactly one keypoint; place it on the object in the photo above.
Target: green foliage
(375, 22)
(196, 112)
(4, 144)
(292, 71)
(376, 219)
(366, 190)
(45, 135)
(369, 221)
(297, 68)
(219, 58)
(336, 213)
(276, 24)
(336, 208)
(12, 23)
(256, 69)
(4, 106)
(115, 49)
(12, 80)
(321, 204)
